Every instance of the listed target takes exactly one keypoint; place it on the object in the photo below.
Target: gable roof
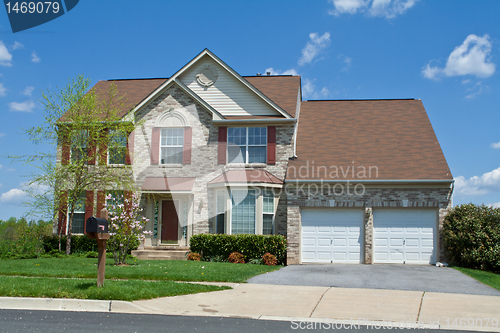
(281, 89)
(395, 136)
(202, 54)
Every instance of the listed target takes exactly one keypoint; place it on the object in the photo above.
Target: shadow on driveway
(398, 277)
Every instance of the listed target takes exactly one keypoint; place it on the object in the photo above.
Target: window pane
(117, 195)
(243, 212)
(78, 222)
(171, 155)
(257, 136)
(236, 136)
(220, 224)
(172, 141)
(268, 201)
(236, 154)
(116, 155)
(221, 202)
(267, 224)
(257, 154)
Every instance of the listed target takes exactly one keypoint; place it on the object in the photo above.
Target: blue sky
(443, 52)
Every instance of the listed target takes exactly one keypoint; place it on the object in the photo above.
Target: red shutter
(89, 208)
(155, 146)
(221, 152)
(271, 145)
(65, 146)
(103, 147)
(63, 210)
(101, 198)
(186, 151)
(129, 152)
(92, 149)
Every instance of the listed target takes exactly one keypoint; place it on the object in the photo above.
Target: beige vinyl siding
(228, 95)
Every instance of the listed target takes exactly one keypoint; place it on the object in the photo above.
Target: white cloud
(494, 205)
(347, 62)
(378, 8)
(495, 145)
(10, 170)
(290, 71)
(488, 182)
(16, 46)
(5, 56)
(3, 90)
(477, 89)
(314, 47)
(28, 91)
(26, 106)
(309, 90)
(470, 58)
(34, 57)
(13, 196)
(2, 135)
(1, 166)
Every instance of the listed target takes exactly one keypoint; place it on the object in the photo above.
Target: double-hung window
(247, 144)
(117, 147)
(268, 212)
(171, 145)
(79, 148)
(79, 215)
(243, 212)
(220, 212)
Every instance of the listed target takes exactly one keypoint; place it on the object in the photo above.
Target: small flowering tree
(125, 224)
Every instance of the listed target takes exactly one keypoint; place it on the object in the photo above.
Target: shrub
(236, 258)
(92, 254)
(79, 244)
(269, 259)
(193, 256)
(472, 237)
(255, 261)
(251, 246)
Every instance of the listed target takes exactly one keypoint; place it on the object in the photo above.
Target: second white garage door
(332, 235)
(404, 236)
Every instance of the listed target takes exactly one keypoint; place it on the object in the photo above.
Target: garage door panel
(337, 235)
(405, 235)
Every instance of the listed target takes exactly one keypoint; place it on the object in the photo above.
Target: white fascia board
(373, 181)
(289, 121)
(247, 185)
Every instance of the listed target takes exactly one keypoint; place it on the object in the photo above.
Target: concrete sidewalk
(308, 304)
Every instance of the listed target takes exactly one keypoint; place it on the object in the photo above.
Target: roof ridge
(362, 99)
(137, 79)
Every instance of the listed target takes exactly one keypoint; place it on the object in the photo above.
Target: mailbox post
(97, 228)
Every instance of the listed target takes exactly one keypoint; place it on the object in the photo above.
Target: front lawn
(172, 270)
(488, 278)
(86, 288)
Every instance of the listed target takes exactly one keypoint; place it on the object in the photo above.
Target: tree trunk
(68, 236)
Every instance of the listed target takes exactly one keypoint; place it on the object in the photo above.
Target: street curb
(54, 304)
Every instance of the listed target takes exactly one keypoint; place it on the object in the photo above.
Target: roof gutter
(374, 181)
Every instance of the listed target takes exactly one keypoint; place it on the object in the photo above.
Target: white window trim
(171, 146)
(246, 157)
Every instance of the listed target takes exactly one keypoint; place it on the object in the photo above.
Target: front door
(170, 222)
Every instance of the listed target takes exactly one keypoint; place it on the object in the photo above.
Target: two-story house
(344, 181)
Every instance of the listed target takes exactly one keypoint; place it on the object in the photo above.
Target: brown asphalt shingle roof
(395, 136)
(282, 90)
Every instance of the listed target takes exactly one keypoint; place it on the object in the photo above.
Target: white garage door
(404, 236)
(332, 235)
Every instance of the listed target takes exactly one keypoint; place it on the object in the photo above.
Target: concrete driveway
(426, 278)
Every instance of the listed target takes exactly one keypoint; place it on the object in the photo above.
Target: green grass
(488, 278)
(172, 270)
(87, 289)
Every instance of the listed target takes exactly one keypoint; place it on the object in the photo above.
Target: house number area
(33, 7)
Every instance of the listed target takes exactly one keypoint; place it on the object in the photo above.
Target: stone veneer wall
(203, 165)
(373, 198)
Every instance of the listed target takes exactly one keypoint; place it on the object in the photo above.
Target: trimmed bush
(269, 259)
(472, 237)
(236, 258)
(79, 244)
(251, 246)
(193, 256)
